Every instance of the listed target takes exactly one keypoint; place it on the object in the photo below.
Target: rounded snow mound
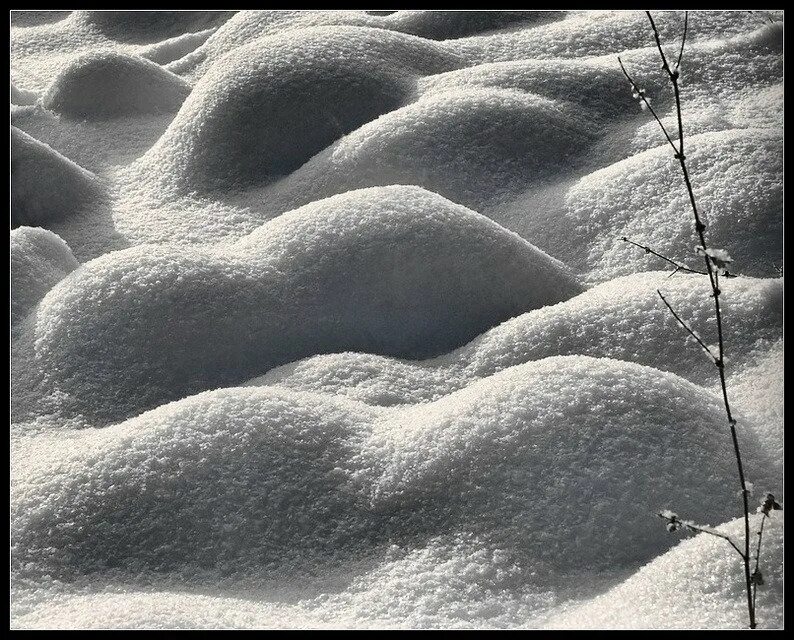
(22, 96)
(177, 47)
(453, 581)
(738, 181)
(587, 34)
(697, 585)
(266, 108)
(394, 270)
(248, 26)
(104, 84)
(594, 84)
(537, 461)
(46, 186)
(138, 27)
(36, 18)
(623, 319)
(443, 25)
(39, 260)
(475, 147)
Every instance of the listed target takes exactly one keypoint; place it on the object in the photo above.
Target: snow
(393, 270)
(315, 86)
(46, 185)
(323, 319)
(643, 197)
(692, 586)
(39, 260)
(278, 482)
(622, 319)
(105, 84)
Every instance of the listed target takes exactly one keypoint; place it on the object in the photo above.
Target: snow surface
(107, 84)
(39, 260)
(322, 319)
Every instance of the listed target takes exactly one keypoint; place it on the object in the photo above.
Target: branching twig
(683, 40)
(697, 338)
(714, 261)
(756, 577)
(640, 93)
(674, 522)
(678, 266)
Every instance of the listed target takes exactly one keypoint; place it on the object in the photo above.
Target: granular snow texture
(323, 319)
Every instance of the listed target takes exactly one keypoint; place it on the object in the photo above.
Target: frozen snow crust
(322, 319)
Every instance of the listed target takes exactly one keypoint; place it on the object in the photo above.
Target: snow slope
(323, 319)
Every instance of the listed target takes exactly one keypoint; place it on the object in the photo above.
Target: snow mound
(602, 33)
(150, 26)
(455, 581)
(536, 460)
(22, 96)
(104, 84)
(45, 185)
(623, 319)
(39, 260)
(394, 270)
(474, 147)
(758, 390)
(738, 178)
(697, 585)
(266, 108)
(249, 26)
(36, 18)
(443, 25)
(176, 47)
(600, 88)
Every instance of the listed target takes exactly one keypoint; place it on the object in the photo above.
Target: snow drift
(45, 185)
(622, 319)
(393, 270)
(105, 84)
(39, 260)
(691, 586)
(268, 107)
(275, 482)
(355, 328)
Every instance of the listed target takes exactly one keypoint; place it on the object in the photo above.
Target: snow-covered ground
(323, 319)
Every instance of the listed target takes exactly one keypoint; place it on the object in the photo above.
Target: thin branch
(713, 274)
(678, 266)
(688, 329)
(665, 66)
(689, 524)
(760, 534)
(641, 94)
(683, 40)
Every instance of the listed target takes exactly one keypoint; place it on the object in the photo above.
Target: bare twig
(656, 37)
(673, 519)
(713, 271)
(756, 572)
(678, 266)
(697, 338)
(640, 93)
(683, 40)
